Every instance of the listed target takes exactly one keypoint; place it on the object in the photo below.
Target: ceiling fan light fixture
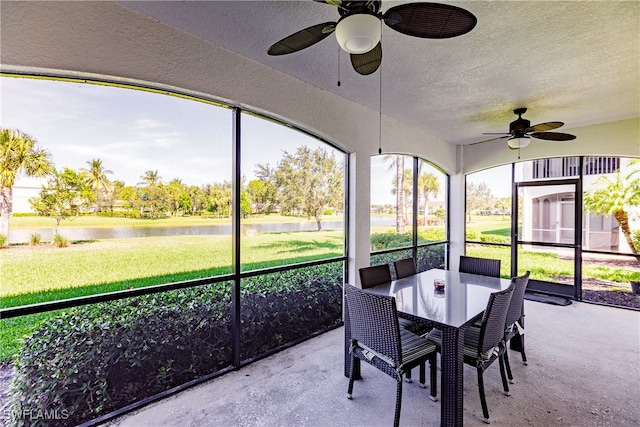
(359, 33)
(518, 142)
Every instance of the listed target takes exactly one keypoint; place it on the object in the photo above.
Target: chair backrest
(494, 318)
(373, 321)
(374, 275)
(405, 267)
(517, 300)
(483, 266)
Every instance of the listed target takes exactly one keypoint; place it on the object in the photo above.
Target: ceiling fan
(359, 28)
(521, 132)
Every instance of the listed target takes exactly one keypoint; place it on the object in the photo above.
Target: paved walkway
(584, 370)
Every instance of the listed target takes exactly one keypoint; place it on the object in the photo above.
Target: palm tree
(18, 154)
(96, 178)
(151, 194)
(398, 162)
(616, 194)
(428, 186)
(96, 175)
(151, 177)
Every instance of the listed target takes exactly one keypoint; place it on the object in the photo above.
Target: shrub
(494, 238)
(3, 241)
(431, 257)
(281, 307)
(389, 240)
(431, 234)
(119, 214)
(635, 238)
(34, 239)
(94, 359)
(473, 234)
(60, 241)
(428, 257)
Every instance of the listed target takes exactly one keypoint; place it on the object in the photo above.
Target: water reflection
(100, 233)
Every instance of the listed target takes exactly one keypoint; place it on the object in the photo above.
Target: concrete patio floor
(584, 370)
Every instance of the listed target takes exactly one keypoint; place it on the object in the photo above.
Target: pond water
(98, 233)
(22, 235)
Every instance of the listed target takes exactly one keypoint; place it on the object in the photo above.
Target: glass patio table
(452, 310)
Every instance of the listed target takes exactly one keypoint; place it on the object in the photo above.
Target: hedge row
(94, 359)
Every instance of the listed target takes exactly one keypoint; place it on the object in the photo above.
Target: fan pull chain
(380, 103)
(338, 66)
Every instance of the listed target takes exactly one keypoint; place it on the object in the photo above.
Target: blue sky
(498, 179)
(134, 131)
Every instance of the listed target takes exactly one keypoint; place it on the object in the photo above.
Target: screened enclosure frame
(415, 245)
(236, 276)
(576, 169)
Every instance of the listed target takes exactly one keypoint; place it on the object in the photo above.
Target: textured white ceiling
(571, 61)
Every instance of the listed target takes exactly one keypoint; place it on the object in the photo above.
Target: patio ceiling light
(518, 142)
(359, 33)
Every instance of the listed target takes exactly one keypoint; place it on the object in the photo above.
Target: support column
(457, 220)
(359, 215)
(359, 240)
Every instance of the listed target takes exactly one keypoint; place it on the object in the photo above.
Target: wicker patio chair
(405, 267)
(483, 266)
(377, 275)
(482, 346)
(515, 320)
(377, 339)
(374, 275)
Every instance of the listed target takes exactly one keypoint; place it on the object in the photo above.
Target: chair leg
(433, 366)
(505, 383)
(483, 399)
(396, 419)
(521, 349)
(407, 376)
(508, 367)
(351, 376)
(423, 375)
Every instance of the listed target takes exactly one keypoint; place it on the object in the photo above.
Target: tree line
(307, 182)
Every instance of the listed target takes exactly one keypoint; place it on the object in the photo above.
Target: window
(292, 198)
(408, 204)
(151, 176)
(488, 206)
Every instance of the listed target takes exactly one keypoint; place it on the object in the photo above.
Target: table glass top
(463, 298)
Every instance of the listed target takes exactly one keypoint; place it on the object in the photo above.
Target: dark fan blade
(553, 136)
(367, 63)
(492, 139)
(430, 20)
(541, 127)
(302, 39)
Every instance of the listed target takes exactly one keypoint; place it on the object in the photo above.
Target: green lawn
(491, 224)
(45, 273)
(32, 275)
